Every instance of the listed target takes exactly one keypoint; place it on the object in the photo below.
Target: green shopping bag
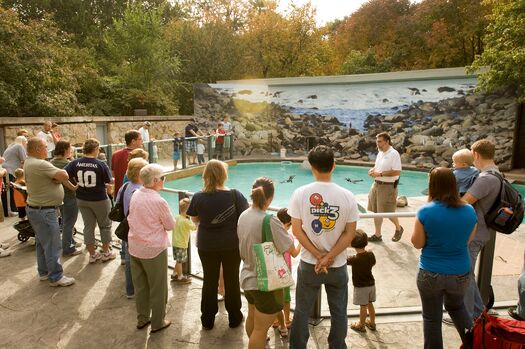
(272, 271)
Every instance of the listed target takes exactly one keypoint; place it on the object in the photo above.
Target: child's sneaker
(94, 257)
(108, 256)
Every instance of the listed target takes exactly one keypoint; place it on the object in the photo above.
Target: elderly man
(45, 194)
(383, 194)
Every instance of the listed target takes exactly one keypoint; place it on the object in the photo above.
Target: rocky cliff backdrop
(428, 120)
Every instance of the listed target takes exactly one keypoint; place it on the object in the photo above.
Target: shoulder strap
(266, 230)
(121, 196)
(501, 194)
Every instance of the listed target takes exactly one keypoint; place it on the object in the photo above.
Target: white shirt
(200, 149)
(145, 134)
(388, 161)
(324, 209)
(48, 138)
(226, 125)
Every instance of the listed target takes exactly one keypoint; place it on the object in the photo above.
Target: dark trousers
(211, 263)
(11, 194)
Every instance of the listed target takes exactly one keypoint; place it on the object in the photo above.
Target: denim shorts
(176, 155)
(266, 302)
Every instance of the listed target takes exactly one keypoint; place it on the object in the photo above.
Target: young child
(283, 321)
(464, 172)
(219, 142)
(19, 194)
(363, 281)
(177, 145)
(200, 151)
(180, 239)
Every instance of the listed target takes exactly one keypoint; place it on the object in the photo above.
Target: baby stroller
(25, 230)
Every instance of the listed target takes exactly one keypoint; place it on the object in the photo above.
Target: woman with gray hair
(14, 157)
(149, 220)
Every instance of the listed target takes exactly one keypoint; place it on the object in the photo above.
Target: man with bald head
(45, 195)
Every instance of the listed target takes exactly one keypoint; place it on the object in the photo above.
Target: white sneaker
(4, 253)
(94, 257)
(108, 256)
(78, 244)
(4, 245)
(31, 241)
(43, 278)
(64, 281)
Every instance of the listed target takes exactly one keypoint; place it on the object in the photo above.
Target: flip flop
(141, 325)
(166, 324)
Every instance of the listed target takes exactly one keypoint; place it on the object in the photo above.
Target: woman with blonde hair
(216, 210)
(263, 307)
(149, 221)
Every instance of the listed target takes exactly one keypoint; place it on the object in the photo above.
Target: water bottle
(504, 214)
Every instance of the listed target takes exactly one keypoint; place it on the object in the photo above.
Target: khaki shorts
(382, 198)
(266, 302)
(364, 295)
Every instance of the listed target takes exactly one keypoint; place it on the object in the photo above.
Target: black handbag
(117, 212)
(122, 230)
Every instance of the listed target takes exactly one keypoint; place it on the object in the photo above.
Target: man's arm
(61, 176)
(342, 244)
(299, 233)
(469, 198)
(390, 173)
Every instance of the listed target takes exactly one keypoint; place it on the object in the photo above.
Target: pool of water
(353, 178)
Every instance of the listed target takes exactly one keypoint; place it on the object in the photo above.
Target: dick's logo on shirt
(326, 214)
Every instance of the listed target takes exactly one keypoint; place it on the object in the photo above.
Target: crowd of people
(450, 229)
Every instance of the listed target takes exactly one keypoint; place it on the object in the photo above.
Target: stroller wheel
(23, 237)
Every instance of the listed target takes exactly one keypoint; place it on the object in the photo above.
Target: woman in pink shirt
(149, 220)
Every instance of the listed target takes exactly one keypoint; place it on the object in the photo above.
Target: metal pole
(109, 154)
(183, 152)
(315, 317)
(231, 146)
(210, 152)
(486, 260)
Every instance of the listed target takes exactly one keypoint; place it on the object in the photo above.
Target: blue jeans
(48, 244)
(521, 292)
(308, 285)
(130, 290)
(69, 212)
(473, 301)
(434, 289)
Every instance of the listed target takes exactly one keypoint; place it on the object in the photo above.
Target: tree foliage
(504, 52)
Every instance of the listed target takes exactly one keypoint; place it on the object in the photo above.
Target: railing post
(315, 317)
(486, 260)
(231, 146)
(151, 145)
(183, 152)
(210, 151)
(109, 154)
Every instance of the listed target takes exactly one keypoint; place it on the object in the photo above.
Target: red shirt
(119, 166)
(220, 139)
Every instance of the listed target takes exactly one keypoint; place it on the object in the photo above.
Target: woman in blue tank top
(443, 229)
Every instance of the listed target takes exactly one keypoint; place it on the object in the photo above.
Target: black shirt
(362, 264)
(188, 128)
(177, 144)
(218, 217)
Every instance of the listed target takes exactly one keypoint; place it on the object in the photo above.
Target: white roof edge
(427, 74)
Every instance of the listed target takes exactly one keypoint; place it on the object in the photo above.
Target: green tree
(141, 73)
(37, 70)
(504, 52)
(358, 62)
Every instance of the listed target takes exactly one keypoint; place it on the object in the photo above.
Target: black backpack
(506, 214)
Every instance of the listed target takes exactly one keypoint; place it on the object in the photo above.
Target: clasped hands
(323, 262)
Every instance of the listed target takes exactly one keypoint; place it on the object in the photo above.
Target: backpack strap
(501, 193)
(121, 196)
(266, 229)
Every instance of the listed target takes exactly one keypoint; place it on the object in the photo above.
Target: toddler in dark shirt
(363, 281)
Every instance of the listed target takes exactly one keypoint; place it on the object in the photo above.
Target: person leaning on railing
(443, 229)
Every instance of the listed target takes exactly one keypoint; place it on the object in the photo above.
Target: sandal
(283, 332)
(142, 324)
(356, 326)
(165, 324)
(370, 325)
(275, 324)
(375, 238)
(289, 324)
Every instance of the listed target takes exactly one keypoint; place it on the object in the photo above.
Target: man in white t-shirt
(324, 219)
(49, 137)
(383, 194)
(144, 131)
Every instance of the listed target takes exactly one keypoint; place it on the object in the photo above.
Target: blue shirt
(447, 230)
(91, 175)
(465, 177)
